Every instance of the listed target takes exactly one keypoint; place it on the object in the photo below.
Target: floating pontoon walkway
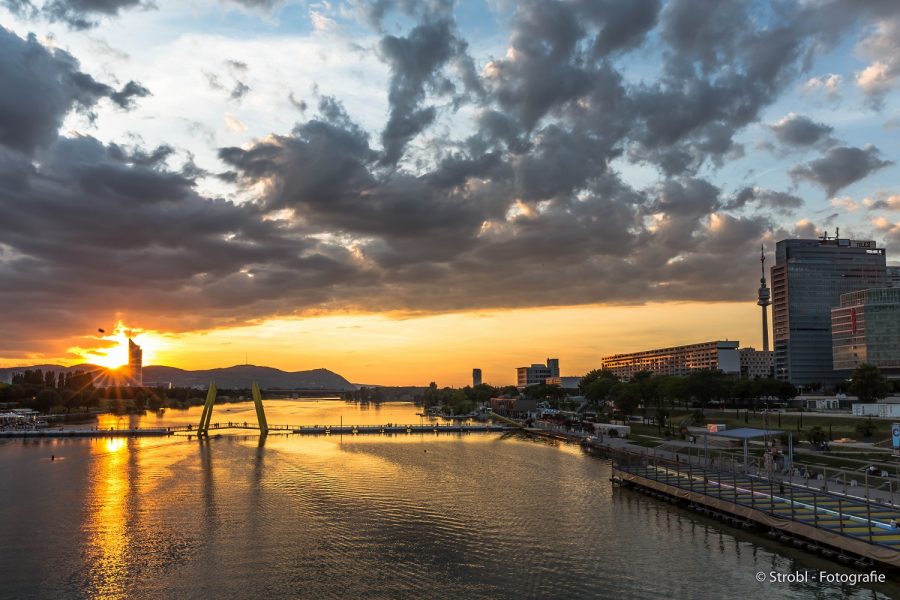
(56, 432)
(361, 429)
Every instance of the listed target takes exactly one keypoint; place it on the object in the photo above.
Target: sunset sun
(110, 350)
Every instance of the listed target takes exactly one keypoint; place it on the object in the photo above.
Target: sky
(402, 190)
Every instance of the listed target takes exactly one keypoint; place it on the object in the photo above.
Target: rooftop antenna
(837, 233)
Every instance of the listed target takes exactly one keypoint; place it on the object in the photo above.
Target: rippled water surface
(408, 516)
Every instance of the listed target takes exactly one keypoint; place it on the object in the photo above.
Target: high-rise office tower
(135, 363)
(476, 377)
(893, 277)
(808, 279)
(865, 328)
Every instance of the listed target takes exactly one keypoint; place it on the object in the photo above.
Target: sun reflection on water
(105, 552)
(115, 444)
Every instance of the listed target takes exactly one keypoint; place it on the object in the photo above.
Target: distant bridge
(304, 392)
(263, 427)
(342, 429)
(206, 425)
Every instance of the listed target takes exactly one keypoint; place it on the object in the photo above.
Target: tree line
(75, 392)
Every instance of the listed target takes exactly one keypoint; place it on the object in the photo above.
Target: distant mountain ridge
(238, 376)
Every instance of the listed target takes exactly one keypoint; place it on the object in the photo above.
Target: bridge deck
(56, 432)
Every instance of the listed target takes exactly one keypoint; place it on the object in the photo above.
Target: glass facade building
(893, 277)
(866, 329)
(808, 280)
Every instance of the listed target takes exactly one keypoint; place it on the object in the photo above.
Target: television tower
(764, 299)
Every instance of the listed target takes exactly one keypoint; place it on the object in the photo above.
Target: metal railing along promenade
(849, 516)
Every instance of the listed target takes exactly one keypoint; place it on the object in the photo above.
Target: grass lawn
(839, 427)
(643, 440)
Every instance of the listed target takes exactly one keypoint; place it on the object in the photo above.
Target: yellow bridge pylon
(260, 413)
(206, 415)
(203, 428)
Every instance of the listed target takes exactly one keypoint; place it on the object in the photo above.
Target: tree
(786, 391)
(544, 391)
(816, 435)
(47, 399)
(866, 428)
(868, 384)
(672, 388)
(480, 393)
(599, 387)
(50, 379)
(627, 397)
(705, 385)
(593, 376)
(457, 402)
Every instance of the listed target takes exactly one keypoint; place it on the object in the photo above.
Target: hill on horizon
(237, 376)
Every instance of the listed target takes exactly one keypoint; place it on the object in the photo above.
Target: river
(404, 516)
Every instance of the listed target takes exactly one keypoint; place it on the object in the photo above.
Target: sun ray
(110, 350)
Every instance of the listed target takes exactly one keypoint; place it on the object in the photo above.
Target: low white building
(886, 408)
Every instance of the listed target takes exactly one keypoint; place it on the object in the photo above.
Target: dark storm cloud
(41, 86)
(124, 98)
(239, 90)
(300, 105)
(22, 8)
(374, 11)
(543, 70)
(621, 25)
(840, 166)
(415, 61)
(78, 14)
(139, 156)
(797, 130)
(81, 14)
(772, 200)
(132, 235)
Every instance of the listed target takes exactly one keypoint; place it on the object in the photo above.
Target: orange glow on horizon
(415, 350)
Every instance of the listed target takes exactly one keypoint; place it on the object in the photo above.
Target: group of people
(875, 471)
